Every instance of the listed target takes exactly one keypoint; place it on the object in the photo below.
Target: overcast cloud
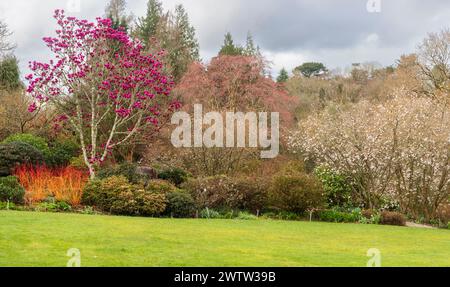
(336, 32)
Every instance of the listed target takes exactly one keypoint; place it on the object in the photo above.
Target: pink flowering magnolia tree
(103, 85)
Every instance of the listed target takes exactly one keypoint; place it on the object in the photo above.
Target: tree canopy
(311, 69)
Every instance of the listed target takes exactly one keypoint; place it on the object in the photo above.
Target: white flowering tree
(399, 149)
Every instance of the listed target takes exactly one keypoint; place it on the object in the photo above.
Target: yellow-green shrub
(118, 196)
(295, 192)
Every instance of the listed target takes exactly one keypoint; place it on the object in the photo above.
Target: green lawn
(42, 239)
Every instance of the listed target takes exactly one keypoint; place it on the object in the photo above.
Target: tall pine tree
(172, 32)
(147, 27)
(186, 33)
(9, 73)
(115, 10)
(229, 48)
(283, 76)
(250, 48)
(181, 45)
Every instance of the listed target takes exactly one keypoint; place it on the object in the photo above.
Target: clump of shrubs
(392, 218)
(128, 190)
(61, 153)
(14, 154)
(125, 190)
(35, 141)
(119, 196)
(127, 170)
(295, 192)
(160, 186)
(57, 154)
(11, 190)
(180, 204)
(174, 175)
(252, 192)
(138, 202)
(211, 192)
(226, 193)
(337, 188)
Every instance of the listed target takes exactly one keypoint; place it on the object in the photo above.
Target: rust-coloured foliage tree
(231, 84)
(235, 83)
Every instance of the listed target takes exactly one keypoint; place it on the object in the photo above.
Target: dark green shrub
(296, 192)
(180, 204)
(175, 175)
(225, 193)
(92, 194)
(336, 187)
(139, 203)
(103, 192)
(118, 196)
(392, 218)
(17, 153)
(61, 153)
(128, 170)
(78, 163)
(338, 216)
(11, 190)
(35, 141)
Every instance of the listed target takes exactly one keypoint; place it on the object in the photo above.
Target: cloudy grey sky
(336, 32)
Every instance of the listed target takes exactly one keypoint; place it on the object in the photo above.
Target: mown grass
(42, 239)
